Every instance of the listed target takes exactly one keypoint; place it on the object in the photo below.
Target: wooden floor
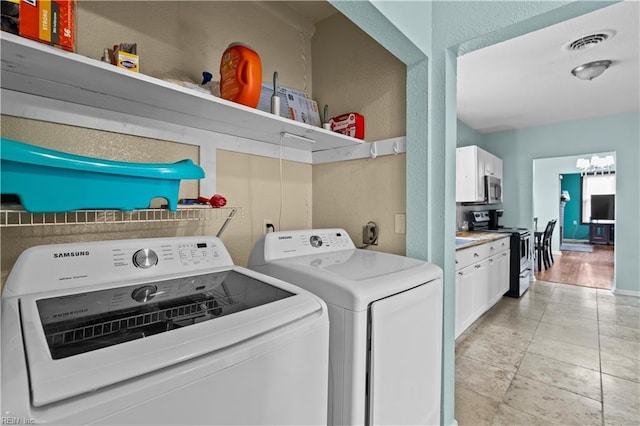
(582, 268)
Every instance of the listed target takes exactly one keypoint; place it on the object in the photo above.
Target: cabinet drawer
(497, 246)
(471, 255)
(468, 256)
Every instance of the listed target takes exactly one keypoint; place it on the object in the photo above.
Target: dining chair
(543, 246)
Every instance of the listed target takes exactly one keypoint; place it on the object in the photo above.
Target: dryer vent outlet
(370, 234)
(267, 226)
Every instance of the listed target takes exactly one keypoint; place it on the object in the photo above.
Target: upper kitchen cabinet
(473, 166)
(492, 165)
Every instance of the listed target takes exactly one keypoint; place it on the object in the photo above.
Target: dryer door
(405, 358)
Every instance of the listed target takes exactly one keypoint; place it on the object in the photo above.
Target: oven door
(525, 250)
(523, 278)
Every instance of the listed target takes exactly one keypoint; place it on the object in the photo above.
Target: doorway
(583, 243)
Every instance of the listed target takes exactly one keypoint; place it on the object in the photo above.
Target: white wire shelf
(17, 217)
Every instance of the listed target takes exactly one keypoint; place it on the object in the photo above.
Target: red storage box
(49, 21)
(350, 124)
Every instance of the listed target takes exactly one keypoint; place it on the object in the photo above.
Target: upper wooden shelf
(45, 71)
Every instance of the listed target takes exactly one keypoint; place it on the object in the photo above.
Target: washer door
(405, 359)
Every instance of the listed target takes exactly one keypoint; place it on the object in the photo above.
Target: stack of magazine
(294, 104)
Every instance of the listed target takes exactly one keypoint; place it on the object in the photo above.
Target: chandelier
(596, 164)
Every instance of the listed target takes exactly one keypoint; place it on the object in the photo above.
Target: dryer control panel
(286, 244)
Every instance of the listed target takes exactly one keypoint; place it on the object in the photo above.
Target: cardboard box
(350, 124)
(128, 61)
(49, 21)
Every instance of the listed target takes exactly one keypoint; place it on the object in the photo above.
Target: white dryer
(386, 324)
(158, 331)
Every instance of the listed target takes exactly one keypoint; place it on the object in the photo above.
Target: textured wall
(352, 72)
(254, 183)
(351, 193)
(184, 38)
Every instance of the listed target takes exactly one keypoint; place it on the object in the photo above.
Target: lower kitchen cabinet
(481, 288)
(482, 278)
(498, 276)
(465, 283)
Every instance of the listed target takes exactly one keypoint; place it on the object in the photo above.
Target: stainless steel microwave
(492, 189)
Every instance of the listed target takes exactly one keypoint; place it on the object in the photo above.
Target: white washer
(386, 323)
(158, 331)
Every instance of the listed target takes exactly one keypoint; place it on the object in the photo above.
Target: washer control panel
(285, 244)
(64, 266)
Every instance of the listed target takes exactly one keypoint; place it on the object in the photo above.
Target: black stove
(511, 230)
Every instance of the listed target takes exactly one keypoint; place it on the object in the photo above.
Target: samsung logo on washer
(286, 237)
(70, 254)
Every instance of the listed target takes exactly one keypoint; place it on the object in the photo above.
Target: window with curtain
(595, 185)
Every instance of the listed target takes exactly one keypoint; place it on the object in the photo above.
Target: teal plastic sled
(49, 181)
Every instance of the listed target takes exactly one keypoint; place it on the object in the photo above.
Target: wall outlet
(267, 226)
(575, 222)
(370, 234)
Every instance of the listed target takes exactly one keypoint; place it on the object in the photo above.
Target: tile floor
(560, 355)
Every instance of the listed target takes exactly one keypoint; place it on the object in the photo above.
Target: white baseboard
(633, 293)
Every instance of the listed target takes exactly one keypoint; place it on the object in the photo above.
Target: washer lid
(352, 278)
(80, 342)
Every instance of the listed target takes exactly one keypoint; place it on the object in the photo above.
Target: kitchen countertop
(482, 238)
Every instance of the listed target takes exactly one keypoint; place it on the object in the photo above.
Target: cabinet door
(464, 298)
(504, 267)
(498, 168)
(469, 174)
(498, 276)
(481, 288)
(489, 163)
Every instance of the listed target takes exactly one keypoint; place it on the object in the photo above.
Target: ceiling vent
(590, 40)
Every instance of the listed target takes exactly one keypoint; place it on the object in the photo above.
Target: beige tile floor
(559, 355)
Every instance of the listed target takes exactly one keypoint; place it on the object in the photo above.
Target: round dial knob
(145, 258)
(144, 293)
(315, 241)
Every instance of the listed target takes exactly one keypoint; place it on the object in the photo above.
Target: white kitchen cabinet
(472, 165)
(482, 278)
(481, 288)
(498, 276)
(469, 175)
(464, 298)
(492, 165)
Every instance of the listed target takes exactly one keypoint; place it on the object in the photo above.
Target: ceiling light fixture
(590, 70)
(596, 164)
